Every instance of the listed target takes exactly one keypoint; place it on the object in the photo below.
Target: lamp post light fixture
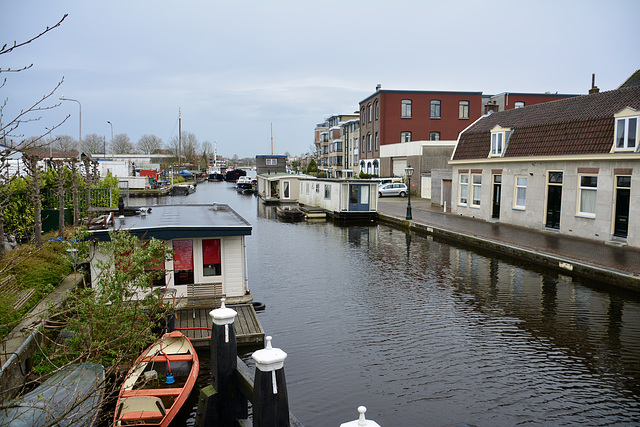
(62, 98)
(408, 172)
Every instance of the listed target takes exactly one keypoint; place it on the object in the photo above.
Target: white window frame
(476, 186)
(463, 189)
(405, 111)
(272, 162)
(327, 192)
(499, 139)
(520, 187)
(286, 189)
(518, 104)
(584, 189)
(625, 122)
(405, 136)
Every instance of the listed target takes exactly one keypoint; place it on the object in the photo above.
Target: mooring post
(221, 403)
(270, 400)
(361, 421)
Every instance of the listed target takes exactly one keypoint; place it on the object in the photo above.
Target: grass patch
(38, 269)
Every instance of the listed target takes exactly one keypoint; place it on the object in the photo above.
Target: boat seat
(140, 408)
(152, 392)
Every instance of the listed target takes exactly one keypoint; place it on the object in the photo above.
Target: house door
(446, 192)
(497, 192)
(623, 196)
(554, 200)
(358, 197)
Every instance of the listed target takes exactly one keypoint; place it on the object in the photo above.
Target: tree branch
(16, 45)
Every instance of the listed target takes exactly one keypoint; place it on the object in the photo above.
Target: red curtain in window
(211, 251)
(157, 264)
(183, 255)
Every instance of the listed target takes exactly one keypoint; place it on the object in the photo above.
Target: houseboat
(277, 188)
(209, 255)
(341, 199)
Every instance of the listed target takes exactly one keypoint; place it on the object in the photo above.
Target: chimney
(594, 88)
(378, 87)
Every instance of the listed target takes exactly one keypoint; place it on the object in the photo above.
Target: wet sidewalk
(618, 263)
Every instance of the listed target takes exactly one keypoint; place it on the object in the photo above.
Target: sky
(236, 69)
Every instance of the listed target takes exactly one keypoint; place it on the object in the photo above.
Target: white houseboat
(277, 188)
(342, 199)
(208, 243)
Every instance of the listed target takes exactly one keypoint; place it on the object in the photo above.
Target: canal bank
(615, 265)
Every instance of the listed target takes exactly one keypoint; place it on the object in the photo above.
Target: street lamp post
(408, 171)
(62, 98)
(105, 148)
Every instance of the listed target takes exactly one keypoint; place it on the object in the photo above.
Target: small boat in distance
(245, 185)
(71, 396)
(234, 174)
(289, 213)
(159, 383)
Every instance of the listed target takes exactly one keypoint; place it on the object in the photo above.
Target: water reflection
(426, 333)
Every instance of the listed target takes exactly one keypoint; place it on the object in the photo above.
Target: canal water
(424, 333)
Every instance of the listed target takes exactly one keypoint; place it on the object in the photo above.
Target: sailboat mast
(272, 139)
(179, 137)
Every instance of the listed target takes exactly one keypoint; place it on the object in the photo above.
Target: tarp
(185, 172)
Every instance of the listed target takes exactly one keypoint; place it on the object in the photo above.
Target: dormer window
(499, 138)
(626, 134)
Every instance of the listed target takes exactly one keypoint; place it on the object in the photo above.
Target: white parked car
(392, 189)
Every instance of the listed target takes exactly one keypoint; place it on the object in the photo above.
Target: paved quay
(617, 265)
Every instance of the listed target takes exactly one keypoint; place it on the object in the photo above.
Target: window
(211, 265)
(377, 110)
(519, 104)
(369, 141)
(362, 118)
(285, 189)
(477, 190)
(364, 148)
(183, 262)
(435, 109)
(587, 195)
(499, 138)
(521, 192)
(377, 141)
(271, 162)
(327, 191)
(626, 133)
(406, 108)
(434, 136)
(370, 112)
(463, 110)
(405, 136)
(317, 188)
(464, 189)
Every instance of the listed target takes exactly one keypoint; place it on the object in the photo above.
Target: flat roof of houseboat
(166, 222)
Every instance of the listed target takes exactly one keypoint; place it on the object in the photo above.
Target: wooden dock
(196, 323)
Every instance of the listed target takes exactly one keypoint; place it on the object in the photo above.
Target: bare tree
(13, 140)
(93, 143)
(64, 143)
(188, 145)
(34, 174)
(122, 144)
(149, 144)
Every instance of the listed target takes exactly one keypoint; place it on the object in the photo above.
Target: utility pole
(179, 137)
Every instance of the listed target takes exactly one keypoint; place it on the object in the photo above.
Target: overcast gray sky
(234, 67)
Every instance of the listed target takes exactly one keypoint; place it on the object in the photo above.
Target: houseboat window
(159, 274)
(211, 265)
(327, 191)
(183, 262)
(285, 190)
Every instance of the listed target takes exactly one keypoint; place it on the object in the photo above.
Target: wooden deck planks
(248, 328)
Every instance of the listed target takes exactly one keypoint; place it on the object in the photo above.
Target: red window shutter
(211, 251)
(183, 255)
